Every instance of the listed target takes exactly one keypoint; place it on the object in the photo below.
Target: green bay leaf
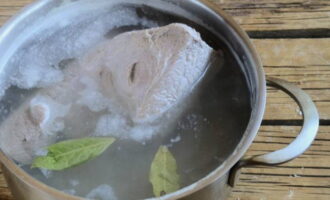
(70, 153)
(163, 173)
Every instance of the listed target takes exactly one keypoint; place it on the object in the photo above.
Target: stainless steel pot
(217, 184)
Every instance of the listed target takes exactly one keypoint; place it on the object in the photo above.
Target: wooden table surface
(293, 40)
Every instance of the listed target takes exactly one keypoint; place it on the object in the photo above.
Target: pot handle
(303, 141)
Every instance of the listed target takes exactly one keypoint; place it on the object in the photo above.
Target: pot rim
(246, 141)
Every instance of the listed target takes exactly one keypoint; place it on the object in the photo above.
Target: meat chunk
(30, 128)
(135, 77)
(39, 121)
(151, 70)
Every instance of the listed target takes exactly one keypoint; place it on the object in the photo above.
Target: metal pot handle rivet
(303, 141)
